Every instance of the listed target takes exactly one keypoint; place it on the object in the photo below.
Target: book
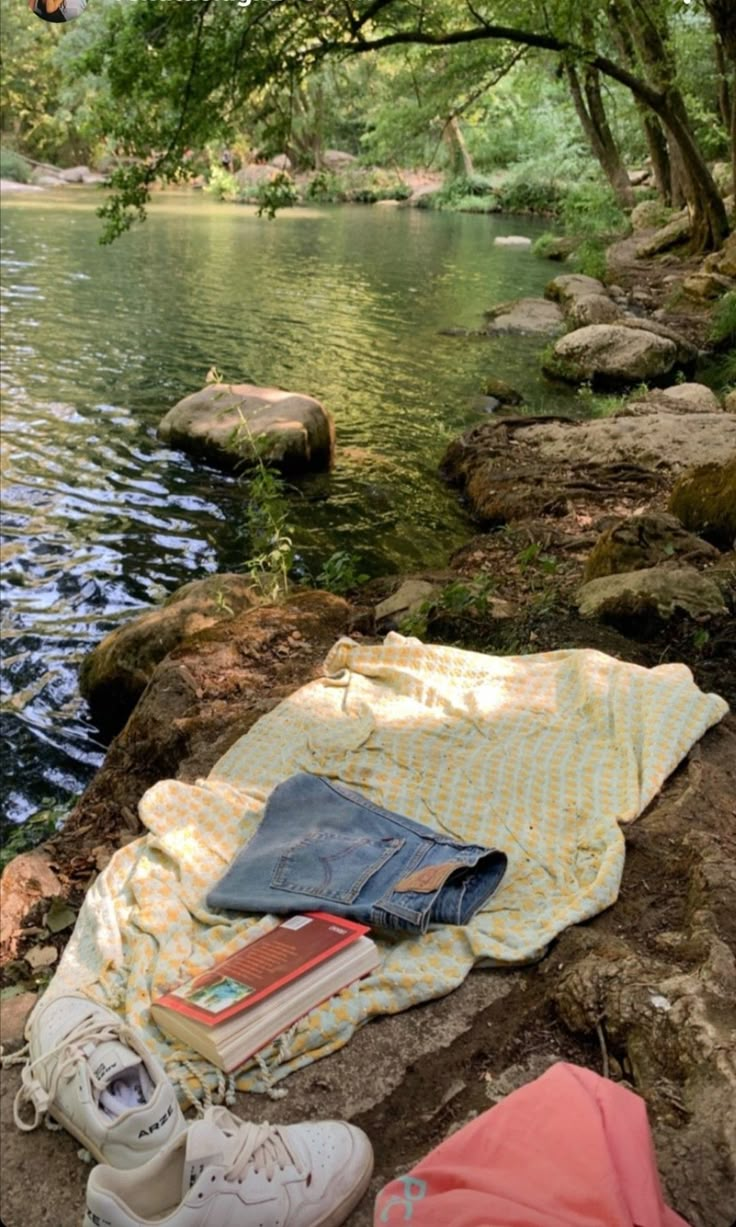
(245, 1001)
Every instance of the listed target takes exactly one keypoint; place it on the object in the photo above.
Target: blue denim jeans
(321, 846)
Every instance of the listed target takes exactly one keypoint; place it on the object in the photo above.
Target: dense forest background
(150, 91)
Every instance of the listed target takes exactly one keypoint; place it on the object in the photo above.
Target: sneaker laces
(264, 1146)
(70, 1051)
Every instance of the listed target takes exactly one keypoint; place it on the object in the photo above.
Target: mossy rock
(704, 500)
(644, 541)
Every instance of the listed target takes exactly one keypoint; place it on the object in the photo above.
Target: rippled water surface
(99, 519)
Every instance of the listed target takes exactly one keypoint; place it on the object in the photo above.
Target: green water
(100, 519)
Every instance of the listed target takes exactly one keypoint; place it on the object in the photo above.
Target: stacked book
(245, 1001)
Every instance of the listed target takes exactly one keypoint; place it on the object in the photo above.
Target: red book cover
(264, 965)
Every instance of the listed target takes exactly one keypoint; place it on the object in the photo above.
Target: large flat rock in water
(230, 424)
(612, 354)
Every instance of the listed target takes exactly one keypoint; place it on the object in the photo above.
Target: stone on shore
(704, 500)
(680, 398)
(115, 673)
(566, 288)
(519, 468)
(676, 231)
(637, 542)
(525, 315)
(503, 392)
(658, 592)
(611, 354)
(230, 424)
(592, 309)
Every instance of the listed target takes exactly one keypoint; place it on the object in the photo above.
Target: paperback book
(245, 1001)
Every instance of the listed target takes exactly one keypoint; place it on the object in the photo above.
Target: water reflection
(99, 519)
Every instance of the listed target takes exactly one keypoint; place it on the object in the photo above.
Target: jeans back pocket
(332, 865)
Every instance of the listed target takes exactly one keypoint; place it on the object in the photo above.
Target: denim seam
(387, 903)
(406, 824)
(348, 896)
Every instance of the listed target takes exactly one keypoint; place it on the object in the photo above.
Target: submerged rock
(705, 501)
(512, 240)
(116, 672)
(502, 391)
(611, 354)
(644, 541)
(228, 424)
(532, 315)
(658, 592)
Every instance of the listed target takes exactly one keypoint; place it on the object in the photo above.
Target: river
(100, 520)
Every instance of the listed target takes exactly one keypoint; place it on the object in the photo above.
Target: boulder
(704, 500)
(558, 248)
(676, 231)
(648, 214)
(502, 391)
(592, 309)
(706, 285)
(637, 542)
(572, 285)
(75, 174)
(680, 398)
(26, 879)
(282, 161)
(722, 173)
(201, 698)
(229, 424)
(334, 159)
(116, 672)
(611, 354)
(525, 315)
(686, 351)
(639, 177)
(512, 240)
(729, 402)
(523, 467)
(658, 592)
(407, 599)
(722, 261)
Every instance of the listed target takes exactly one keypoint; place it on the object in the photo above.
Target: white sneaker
(93, 1073)
(225, 1172)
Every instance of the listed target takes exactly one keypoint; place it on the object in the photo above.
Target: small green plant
(222, 605)
(461, 599)
(590, 258)
(221, 184)
(723, 328)
(341, 573)
(14, 166)
(276, 193)
(37, 827)
(701, 639)
(531, 557)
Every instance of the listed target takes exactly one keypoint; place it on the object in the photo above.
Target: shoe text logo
(159, 1124)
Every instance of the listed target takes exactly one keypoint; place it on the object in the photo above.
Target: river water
(100, 520)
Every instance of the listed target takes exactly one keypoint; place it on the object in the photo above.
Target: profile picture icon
(57, 10)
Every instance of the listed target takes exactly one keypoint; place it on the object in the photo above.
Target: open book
(243, 1002)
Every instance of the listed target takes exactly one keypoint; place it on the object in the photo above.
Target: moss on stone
(704, 500)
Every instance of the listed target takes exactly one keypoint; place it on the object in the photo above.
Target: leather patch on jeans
(421, 881)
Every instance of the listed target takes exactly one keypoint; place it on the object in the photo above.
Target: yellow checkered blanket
(543, 756)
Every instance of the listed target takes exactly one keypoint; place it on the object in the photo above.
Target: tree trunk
(655, 137)
(709, 221)
(461, 163)
(594, 122)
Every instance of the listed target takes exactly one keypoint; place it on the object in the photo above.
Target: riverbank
(645, 991)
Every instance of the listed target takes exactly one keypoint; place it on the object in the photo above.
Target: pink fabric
(569, 1150)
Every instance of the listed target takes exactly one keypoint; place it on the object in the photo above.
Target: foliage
(461, 600)
(36, 828)
(723, 328)
(221, 183)
(341, 573)
(14, 166)
(590, 208)
(590, 258)
(279, 192)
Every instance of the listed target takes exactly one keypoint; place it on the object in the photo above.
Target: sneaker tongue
(109, 1060)
(206, 1146)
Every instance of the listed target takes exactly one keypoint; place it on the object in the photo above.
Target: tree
(179, 70)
